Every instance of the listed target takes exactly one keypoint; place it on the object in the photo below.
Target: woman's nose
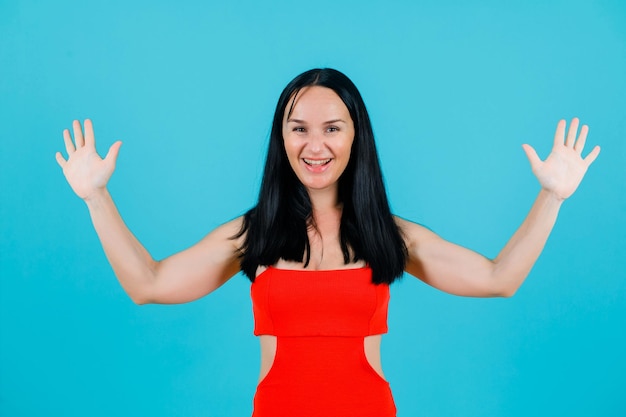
(316, 142)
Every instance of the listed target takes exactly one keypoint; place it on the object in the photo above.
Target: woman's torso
(268, 343)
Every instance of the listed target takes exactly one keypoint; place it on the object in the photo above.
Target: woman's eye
(333, 129)
(298, 129)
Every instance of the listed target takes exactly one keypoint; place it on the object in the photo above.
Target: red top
(342, 302)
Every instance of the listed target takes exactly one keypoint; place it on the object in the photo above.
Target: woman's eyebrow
(326, 123)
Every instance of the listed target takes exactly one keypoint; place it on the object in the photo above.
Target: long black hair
(277, 226)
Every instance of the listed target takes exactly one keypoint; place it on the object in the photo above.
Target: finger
(69, 145)
(582, 138)
(571, 133)
(532, 156)
(114, 150)
(592, 155)
(78, 134)
(559, 135)
(90, 139)
(60, 160)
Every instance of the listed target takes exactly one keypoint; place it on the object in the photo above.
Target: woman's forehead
(316, 103)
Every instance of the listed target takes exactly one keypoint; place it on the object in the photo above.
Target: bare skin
(318, 148)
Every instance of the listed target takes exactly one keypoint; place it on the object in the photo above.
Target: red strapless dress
(320, 319)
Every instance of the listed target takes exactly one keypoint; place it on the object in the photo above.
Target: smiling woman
(321, 248)
(318, 135)
(342, 206)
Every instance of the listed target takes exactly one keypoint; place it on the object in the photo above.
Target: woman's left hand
(565, 167)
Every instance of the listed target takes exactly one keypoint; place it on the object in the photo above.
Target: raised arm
(180, 278)
(460, 271)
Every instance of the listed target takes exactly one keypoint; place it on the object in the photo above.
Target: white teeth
(316, 161)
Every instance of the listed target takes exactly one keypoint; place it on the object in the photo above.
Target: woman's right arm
(183, 277)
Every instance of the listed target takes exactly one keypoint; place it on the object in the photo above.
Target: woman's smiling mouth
(316, 162)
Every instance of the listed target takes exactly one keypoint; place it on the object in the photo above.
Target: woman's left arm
(460, 271)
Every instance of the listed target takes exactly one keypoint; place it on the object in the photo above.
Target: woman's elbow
(507, 293)
(140, 291)
(505, 290)
(505, 283)
(140, 300)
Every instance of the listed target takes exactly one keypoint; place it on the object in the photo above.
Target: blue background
(454, 88)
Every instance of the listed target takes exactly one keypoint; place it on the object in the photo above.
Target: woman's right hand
(85, 171)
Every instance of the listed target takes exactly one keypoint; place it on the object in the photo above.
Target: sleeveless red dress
(320, 319)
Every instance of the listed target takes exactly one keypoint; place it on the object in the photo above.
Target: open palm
(562, 171)
(84, 169)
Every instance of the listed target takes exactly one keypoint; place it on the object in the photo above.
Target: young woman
(321, 248)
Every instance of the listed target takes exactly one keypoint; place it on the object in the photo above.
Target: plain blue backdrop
(453, 87)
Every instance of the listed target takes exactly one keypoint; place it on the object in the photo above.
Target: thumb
(532, 156)
(114, 150)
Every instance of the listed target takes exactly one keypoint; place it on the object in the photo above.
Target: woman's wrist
(97, 197)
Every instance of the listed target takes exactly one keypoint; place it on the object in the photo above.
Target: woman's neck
(324, 201)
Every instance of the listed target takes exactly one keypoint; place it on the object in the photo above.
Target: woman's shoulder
(234, 228)
(230, 233)
(403, 224)
(412, 232)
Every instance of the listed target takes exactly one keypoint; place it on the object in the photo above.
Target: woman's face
(318, 136)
